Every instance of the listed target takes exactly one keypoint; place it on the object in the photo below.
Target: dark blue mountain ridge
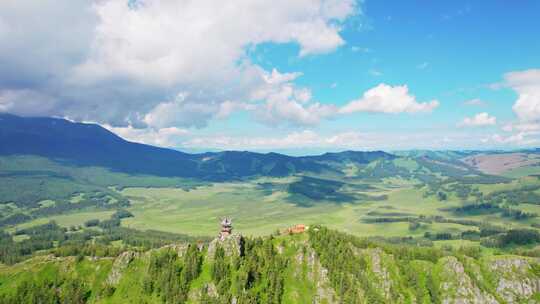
(84, 144)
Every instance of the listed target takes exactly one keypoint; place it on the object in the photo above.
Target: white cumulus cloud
(527, 86)
(284, 102)
(479, 120)
(525, 130)
(388, 99)
(124, 63)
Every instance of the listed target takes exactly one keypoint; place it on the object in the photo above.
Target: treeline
(512, 237)
(169, 276)
(475, 202)
(38, 238)
(57, 289)
(489, 235)
(420, 219)
(99, 199)
(61, 241)
(525, 194)
(104, 200)
(484, 207)
(14, 219)
(48, 237)
(114, 221)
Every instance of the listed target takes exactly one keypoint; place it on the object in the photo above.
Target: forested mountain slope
(320, 266)
(84, 144)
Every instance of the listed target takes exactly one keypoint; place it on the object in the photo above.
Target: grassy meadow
(198, 211)
(382, 198)
(257, 212)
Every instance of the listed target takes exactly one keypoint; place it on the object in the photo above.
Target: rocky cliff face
(515, 278)
(120, 264)
(456, 286)
(315, 273)
(232, 245)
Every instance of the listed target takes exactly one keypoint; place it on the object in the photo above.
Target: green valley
(403, 227)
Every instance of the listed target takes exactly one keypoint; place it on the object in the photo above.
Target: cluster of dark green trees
(114, 221)
(169, 276)
(475, 202)
(489, 235)
(38, 238)
(51, 237)
(104, 200)
(255, 276)
(350, 276)
(49, 290)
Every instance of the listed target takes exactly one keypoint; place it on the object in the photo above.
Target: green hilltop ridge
(318, 266)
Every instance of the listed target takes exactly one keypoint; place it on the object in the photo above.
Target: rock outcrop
(382, 266)
(119, 265)
(515, 280)
(456, 286)
(316, 273)
(231, 244)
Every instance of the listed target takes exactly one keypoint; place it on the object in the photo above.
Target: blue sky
(296, 77)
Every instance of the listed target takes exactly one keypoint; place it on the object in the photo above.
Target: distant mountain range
(85, 144)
